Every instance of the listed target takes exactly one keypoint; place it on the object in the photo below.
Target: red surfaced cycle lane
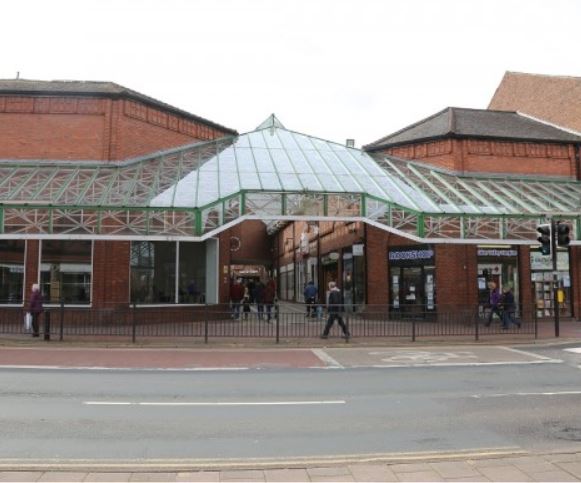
(140, 358)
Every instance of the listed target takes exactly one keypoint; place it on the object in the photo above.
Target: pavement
(496, 464)
(491, 466)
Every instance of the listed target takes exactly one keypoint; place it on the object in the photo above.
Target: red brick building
(418, 222)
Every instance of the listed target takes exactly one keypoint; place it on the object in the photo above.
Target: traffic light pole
(554, 246)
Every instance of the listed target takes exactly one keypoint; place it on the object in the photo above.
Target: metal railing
(209, 322)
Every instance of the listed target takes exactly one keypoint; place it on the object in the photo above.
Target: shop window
(65, 271)
(11, 271)
(192, 270)
(168, 272)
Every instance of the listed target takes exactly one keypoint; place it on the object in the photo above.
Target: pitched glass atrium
(275, 175)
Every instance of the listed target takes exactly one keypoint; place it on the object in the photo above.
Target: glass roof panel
(281, 161)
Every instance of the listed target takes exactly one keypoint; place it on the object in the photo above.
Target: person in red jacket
(236, 296)
(35, 308)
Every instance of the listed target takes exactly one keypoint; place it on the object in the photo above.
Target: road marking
(576, 350)
(518, 351)
(560, 393)
(458, 364)
(213, 403)
(321, 354)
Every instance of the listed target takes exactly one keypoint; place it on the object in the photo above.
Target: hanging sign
(411, 255)
(358, 250)
(497, 252)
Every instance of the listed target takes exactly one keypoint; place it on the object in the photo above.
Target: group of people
(244, 295)
(502, 305)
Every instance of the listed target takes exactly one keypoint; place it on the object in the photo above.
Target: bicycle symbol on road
(423, 357)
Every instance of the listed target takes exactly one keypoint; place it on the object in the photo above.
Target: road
(380, 401)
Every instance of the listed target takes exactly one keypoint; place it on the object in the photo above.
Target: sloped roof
(94, 88)
(556, 99)
(481, 123)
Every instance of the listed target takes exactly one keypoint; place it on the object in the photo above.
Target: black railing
(208, 322)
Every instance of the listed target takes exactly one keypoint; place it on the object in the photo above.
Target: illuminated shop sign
(411, 255)
(496, 252)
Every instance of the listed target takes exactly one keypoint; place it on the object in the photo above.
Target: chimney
(350, 143)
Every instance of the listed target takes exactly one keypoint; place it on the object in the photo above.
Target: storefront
(413, 280)
(544, 285)
(498, 265)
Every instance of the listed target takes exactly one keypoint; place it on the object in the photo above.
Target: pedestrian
(334, 308)
(508, 309)
(246, 302)
(268, 298)
(236, 296)
(494, 301)
(259, 298)
(35, 308)
(310, 294)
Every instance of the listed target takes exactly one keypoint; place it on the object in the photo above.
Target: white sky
(335, 69)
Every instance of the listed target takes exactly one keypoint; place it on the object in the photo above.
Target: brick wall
(489, 156)
(87, 128)
(456, 273)
(111, 273)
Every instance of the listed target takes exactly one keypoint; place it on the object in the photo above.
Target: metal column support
(363, 206)
(198, 221)
(421, 228)
(1, 219)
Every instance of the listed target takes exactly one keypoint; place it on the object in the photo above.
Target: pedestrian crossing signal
(563, 239)
(545, 238)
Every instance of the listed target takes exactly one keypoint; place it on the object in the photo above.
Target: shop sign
(407, 255)
(358, 250)
(330, 258)
(545, 262)
(497, 252)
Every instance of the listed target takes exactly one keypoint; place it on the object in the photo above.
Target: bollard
(134, 323)
(47, 325)
(206, 323)
(62, 315)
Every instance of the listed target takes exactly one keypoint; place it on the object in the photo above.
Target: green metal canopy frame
(274, 175)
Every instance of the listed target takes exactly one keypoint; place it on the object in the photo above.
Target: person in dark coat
(259, 298)
(508, 309)
(310, 294)
(35, 307)
(236, 296)
(268, 297)
(334, 308)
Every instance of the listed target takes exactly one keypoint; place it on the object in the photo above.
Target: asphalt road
(294, 412)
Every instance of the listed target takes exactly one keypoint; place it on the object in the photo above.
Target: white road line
(576, 350)
(213, 403)
(529, 354)
(560, 393)
(321, 354)
(460, 364)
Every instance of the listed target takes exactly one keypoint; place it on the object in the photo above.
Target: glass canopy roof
(273, 173)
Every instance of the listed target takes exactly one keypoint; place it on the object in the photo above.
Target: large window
(11, 271)
(168, 272)
(65, 271)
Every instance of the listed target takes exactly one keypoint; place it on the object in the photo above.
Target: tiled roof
(556, 99)
(480, 123)
(93, 88)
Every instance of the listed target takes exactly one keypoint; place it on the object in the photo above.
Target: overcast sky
(335, 69)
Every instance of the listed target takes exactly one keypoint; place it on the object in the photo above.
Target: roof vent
(350, 143)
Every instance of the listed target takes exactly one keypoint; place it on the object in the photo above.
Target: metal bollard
(47, 325)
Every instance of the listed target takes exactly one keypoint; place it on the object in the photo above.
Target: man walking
(494, 303)
(335, 307)
(310, 294)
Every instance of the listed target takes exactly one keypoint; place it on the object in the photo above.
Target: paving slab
(62, 476)
(328, 471)
(410, 467)
(289, 474)
(153, 477)
(455, 469)
(573, 468)
(109, 477)
(20, 475)
(209, 476)
(472, 478)
(504, 473)
(419, 476)
(553, 476)
(333, 478)
(372, 472)
(242, 475)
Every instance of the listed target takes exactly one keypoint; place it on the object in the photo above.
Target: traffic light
(563, 239)
(545, 238)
